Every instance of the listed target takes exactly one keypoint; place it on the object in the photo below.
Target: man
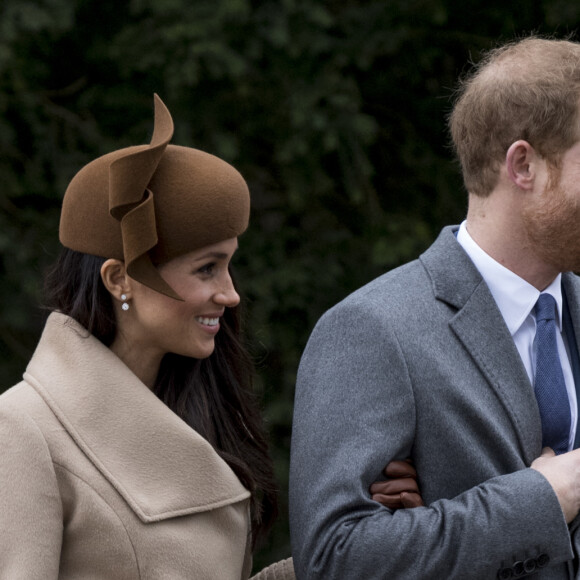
(436, 361)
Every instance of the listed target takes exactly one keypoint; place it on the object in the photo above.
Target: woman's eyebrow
(215, 255)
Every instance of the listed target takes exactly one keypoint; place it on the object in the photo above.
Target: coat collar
(479, 325)
(160, 466)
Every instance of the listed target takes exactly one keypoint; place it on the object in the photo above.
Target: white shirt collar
(514, 296)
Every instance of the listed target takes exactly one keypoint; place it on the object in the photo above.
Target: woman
(133, 448)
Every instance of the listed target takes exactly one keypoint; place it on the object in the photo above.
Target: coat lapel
(480, 327)
(160, 466)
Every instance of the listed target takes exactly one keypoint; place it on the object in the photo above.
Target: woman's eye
(207, 269)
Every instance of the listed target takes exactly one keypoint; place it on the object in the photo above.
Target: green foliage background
(334, 111)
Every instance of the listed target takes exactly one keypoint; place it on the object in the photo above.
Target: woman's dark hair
(213, 395)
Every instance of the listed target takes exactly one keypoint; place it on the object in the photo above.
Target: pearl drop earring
(125, 305)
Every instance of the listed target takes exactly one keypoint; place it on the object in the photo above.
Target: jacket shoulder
(392, 294)
(22, 402)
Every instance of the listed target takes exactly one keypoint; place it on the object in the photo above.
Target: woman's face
(156, 324)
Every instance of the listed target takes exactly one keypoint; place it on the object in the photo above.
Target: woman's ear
(522, 164)
(115, 278)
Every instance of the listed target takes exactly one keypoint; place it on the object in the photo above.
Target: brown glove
(400, 490)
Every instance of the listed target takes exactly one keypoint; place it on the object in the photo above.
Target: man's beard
(553, 228)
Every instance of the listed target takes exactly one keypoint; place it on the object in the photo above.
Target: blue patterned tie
(549, 381)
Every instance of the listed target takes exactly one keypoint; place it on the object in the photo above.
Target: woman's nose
(227, 295)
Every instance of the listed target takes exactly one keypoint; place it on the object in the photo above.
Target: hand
(401, 490)
(563, 474)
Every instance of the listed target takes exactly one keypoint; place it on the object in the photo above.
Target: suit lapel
(571, 322)
(480, 327)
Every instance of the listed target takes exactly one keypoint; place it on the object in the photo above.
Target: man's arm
(354, 413)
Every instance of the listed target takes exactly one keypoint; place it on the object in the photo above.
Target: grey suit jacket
(419, 363)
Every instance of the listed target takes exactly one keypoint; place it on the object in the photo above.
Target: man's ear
(522, 163)
(115, 278)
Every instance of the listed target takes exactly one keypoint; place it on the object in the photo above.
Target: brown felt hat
(150, 203)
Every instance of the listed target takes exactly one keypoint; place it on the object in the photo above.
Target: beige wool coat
(100, 480)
